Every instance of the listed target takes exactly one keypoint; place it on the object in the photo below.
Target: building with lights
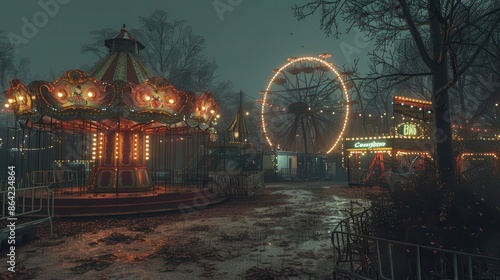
(408, 149)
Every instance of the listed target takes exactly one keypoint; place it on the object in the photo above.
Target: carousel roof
(119, 93)
(123, 61)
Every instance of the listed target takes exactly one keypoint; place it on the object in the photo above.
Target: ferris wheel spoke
(293, 96)
(331, 124)
(291, 139)
(323, 92)
(288, 81)
(319, 142)
(308, 82)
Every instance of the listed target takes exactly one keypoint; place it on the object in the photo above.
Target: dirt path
(281, 232)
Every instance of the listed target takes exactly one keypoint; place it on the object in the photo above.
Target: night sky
(246, 42)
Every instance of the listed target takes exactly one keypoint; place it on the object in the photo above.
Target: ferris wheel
(305, 106)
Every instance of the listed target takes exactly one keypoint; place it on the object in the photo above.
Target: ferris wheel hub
(300, 108)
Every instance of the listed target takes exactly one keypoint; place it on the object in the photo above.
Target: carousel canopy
(123, 61)
(119, 93)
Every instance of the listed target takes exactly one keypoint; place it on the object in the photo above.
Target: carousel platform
(68, 204)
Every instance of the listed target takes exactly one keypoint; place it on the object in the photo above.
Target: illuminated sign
(369, 145)
(351, 144)
(410, 129)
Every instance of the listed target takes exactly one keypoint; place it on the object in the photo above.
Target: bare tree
(175, 52)
(438, 28)
(97, 45)
(6, 63)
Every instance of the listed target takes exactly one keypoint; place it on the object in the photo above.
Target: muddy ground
(282, 232)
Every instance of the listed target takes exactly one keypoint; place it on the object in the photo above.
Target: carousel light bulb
(218, 116)
(147, 97)
(171, 101)
(203, 108)
(10, 100)
(212, 111)
(90, 94)
(21, 97)
(6, 105)
(60, 94)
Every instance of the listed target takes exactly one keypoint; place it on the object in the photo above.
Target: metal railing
(30, 201)
(238, 184)
(366, 257)
(56, 179)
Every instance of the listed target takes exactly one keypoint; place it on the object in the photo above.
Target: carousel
(113, 132)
